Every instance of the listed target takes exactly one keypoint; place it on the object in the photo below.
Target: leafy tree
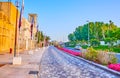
(117, 33)
(107, 40)
(71, 37)
(47, 38)
(110, 41)
(97, 30)
(104, 28)
(70, 44)
(84, 33)
(39, 35)
(95, 42)
(78, 33)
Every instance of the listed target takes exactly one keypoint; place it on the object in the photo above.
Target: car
(78, 47)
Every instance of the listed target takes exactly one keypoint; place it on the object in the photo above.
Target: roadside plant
(112, 58)
(107, 58)
(91, 54)
(101, 57)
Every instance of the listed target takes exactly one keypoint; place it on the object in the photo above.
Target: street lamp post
(16, 29)
(88, 33)
(17, 59)
(44, 41)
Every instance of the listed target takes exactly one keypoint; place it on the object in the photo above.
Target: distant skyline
(58, 18)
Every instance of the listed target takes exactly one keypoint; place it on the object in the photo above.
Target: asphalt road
(57, 64)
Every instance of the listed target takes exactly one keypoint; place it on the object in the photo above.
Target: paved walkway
(30, 62)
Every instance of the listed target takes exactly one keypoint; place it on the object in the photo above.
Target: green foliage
(70, 44)
(40, 36)
(95, 42)
(47, 38)
(37, 35)
(97, 30)
(78, 33)
(84, 46)
(111, 41)
(116, 49)
(101, 47)
(71, 37)
(107, 48)
(107, 40)
(117, 32)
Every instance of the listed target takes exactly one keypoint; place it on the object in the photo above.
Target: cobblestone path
(57, 64)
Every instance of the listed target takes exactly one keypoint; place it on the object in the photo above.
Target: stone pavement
(61, 65)
(30, 62)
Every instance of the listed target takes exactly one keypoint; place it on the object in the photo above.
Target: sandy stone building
(8, 13)
(24, 35)
(9, 17)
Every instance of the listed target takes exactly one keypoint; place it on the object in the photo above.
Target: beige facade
(34, 40)
(25, 42)
(34, 24)
(24, 35)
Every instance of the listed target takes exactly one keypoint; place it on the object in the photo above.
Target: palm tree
(47, 38)
(104, 28)
(39, 35)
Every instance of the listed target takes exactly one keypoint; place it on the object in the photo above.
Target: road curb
(98, 65)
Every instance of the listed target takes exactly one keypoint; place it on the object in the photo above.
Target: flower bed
(70, 51)
(114, 67)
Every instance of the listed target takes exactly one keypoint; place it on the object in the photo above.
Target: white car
(78, 47)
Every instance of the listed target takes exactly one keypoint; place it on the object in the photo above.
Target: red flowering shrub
(70, 51)
(114, 67)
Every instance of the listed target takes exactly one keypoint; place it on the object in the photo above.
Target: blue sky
(58, 18)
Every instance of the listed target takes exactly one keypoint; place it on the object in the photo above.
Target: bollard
(10, 50)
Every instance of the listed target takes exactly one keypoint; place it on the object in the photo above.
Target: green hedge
(107, 48)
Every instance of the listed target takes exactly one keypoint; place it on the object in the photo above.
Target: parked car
(78, 47)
